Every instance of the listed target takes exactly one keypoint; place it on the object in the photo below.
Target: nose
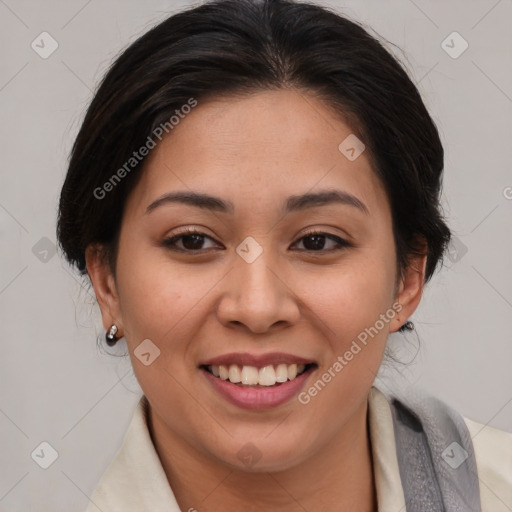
(257, 295)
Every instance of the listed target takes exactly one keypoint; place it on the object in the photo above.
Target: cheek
(351, 296)
(165, 302)
(158, 303)
(149, 302)
(155, 293)
(351, 306)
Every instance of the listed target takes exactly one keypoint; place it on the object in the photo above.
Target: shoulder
(492, 447)
(135, 479)
(493, 454)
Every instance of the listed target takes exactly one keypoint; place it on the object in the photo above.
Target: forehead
(259, 148)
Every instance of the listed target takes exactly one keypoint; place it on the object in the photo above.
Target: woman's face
(255, 288)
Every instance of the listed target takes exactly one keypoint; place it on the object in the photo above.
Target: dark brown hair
(230, 47)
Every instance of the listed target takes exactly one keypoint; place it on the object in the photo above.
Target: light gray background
(56, 386)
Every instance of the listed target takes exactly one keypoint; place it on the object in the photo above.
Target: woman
(254, 195)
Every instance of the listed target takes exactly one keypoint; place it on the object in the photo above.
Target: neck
(337, 478)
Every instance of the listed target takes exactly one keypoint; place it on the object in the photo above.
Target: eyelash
(170, 242)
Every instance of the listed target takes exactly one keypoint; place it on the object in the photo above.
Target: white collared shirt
(135, 480)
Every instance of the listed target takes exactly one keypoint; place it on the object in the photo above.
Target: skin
(255, 152)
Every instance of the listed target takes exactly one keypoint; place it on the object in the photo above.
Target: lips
(257, 381)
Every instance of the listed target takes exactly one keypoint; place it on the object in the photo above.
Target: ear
(104, 287)
(410, 288)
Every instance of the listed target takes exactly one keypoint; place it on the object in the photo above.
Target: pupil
(318, 241)
(197, 239)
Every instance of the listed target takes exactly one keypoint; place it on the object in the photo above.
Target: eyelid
(342, 243)
(169, 241)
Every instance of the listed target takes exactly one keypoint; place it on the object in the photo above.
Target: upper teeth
(250, 375)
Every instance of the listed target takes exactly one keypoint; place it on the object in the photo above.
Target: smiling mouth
(253, 376)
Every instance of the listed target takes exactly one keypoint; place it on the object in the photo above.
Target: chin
(262, 455)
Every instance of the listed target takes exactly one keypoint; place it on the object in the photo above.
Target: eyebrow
(292, 204)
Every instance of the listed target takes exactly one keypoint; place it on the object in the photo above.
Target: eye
(316, 241)
(191, 239)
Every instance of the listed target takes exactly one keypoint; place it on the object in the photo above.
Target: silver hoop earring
(110, 336)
